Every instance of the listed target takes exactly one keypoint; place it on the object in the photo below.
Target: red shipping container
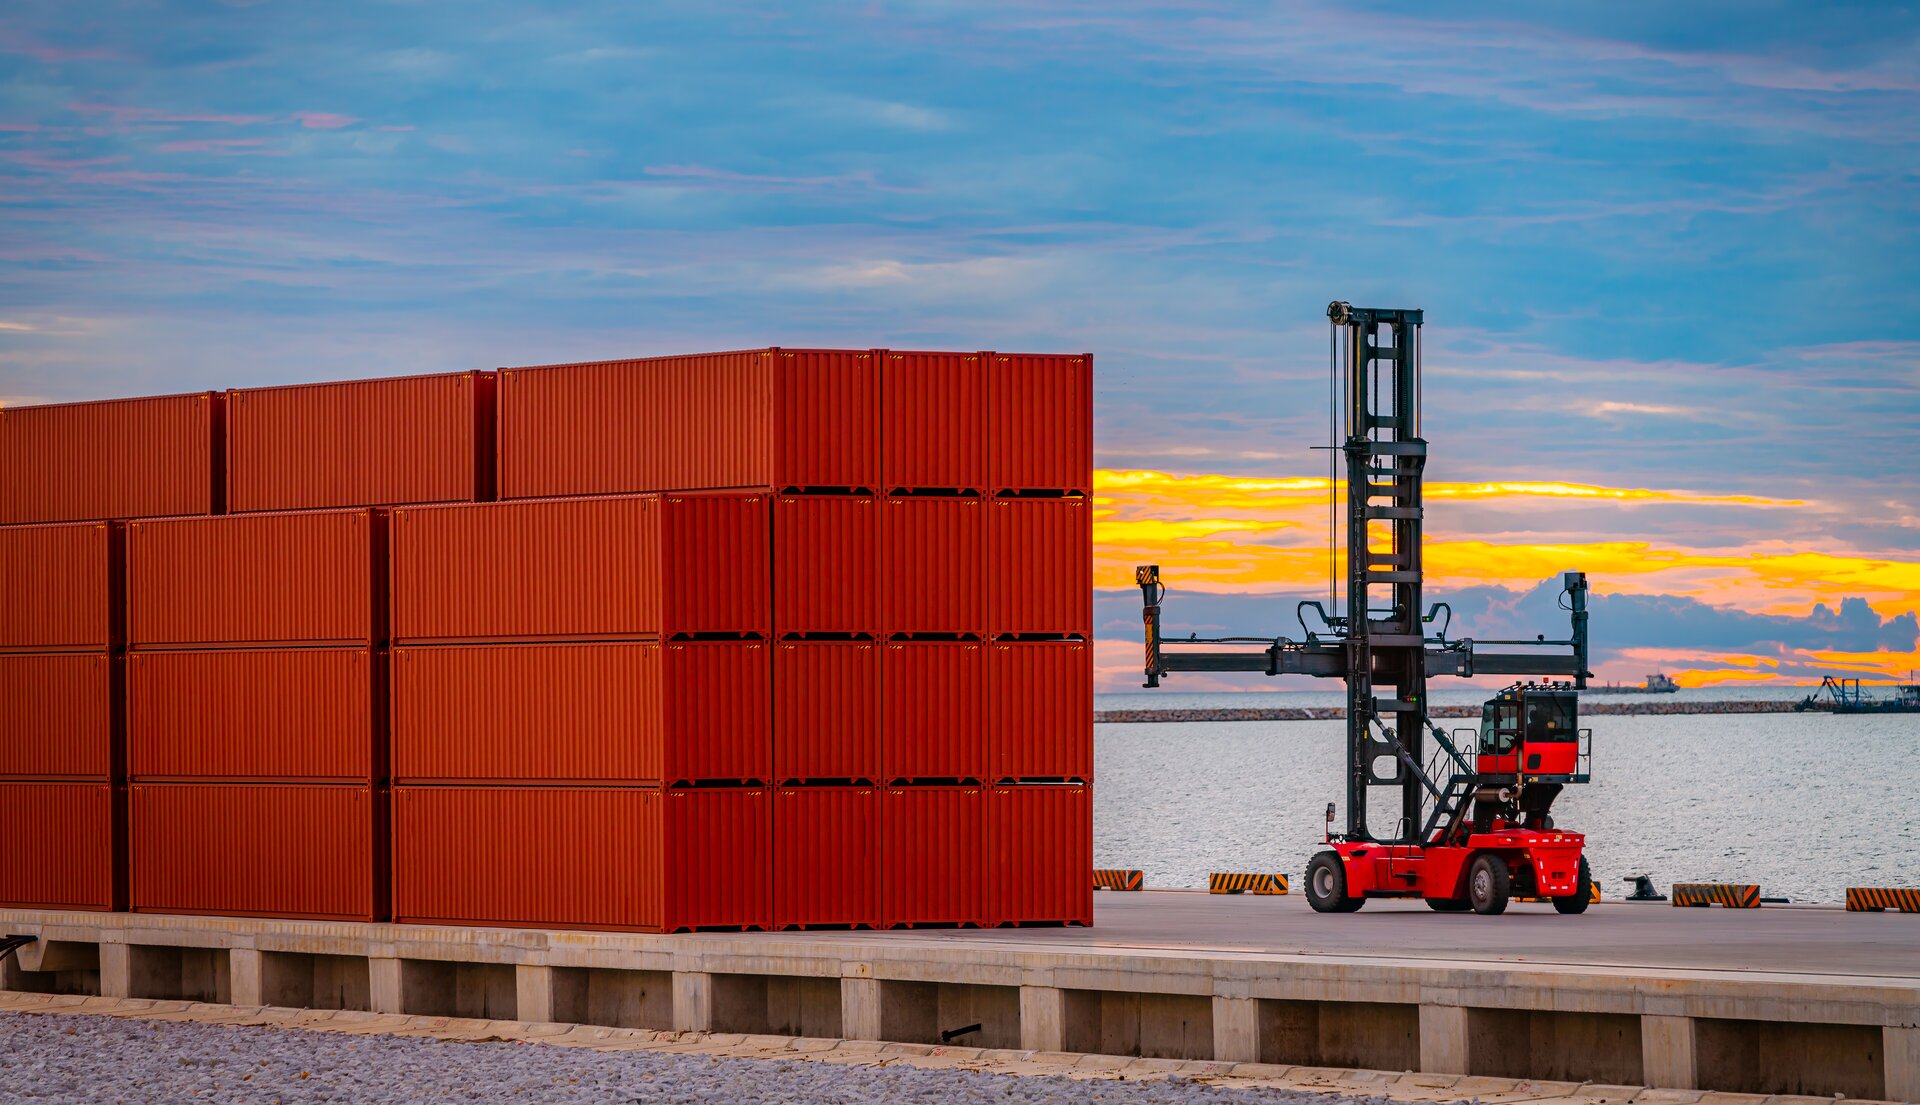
(933, 856)
(773, 419)
(932, 564)
(63, 849)
(282, 714)
(1042, 847)
(59, 587)
(826, 871)
(933, 421)
(258, 850)
(826, 711)
(257, 579)
(1040, 422)
(933, 711)
(122, 458)
(539, 857)
(414, 439)
(1040, 567)
(59, 716)
(1040, 711)
(826, 564)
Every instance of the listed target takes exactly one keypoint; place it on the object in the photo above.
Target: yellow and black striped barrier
(1593, 893)
(1873, 899)
(1731, 895)
(1220, 882)
(1117, 878)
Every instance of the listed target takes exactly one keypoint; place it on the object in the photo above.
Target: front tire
(1327, 885)
(1489, 885)
(1576, 902)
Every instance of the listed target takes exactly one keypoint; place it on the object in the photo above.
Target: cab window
(1550, 718)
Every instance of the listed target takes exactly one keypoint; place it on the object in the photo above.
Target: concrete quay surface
(1772, 1001)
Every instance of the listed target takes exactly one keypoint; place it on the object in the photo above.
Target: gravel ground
(91, 1060)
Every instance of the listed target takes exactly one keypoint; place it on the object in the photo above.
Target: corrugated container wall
(58, 586)
(415, 439)
(257, 579)
(933, 577)
(933, 856)
(58, 713)
(826, 711)
(1042, 862)
(63, 847)
(1040, 710)
(933, 711)
(1040, 567)
(1040, 422)
(255, 714)
(826, 565)
(826, 420)
(826, 861)
(932, 433)
(122, 458)
(272, 850)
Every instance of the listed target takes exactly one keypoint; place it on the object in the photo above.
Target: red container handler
(773, 419)
(1040, 422)
(933, 711)
(60, 588)
(257, 579)
(1040, 567)
(257, 714)
(826, 849)
(1040, 711)
(826, 565)
(932, 566)
(1042, 855)
(259, 850)
(933, 867)
(641, 859)
(826, 711)
(60, 716)
(411, 439)
(933, 421)
(64, 846)
(120, 458)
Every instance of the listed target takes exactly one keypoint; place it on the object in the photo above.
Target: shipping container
(258, 850)
(58, 716)
(1042, 861)
(932, 567)
(1040, 422)
(826, 849)
(826, 565)
(1040, 567)
(768, 419)
(933, 711)
(413, 439)
(257, 579)
(933, 421)
(1040, 711)
(604, 858)
(120, 458)
(826, 711)
(583, 569)
(933, 856)
(282, 714)
(59, 588)
(63, 849)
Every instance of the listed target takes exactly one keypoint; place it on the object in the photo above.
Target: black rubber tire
(1489, 884)
(1327, 885)
(1449, 905)
(1576, 902)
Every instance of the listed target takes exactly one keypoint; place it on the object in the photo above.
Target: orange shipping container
(258, 850)
(933, 856)
(1042, 855)
(122, 458)
(59, 587)
(281, 714)
(932, 708)
(414, 439)
(826, 871)
(1040, 422)
(932, 573)
(57, 712)
(257, 579)
(1040, 567)
(773, 419)
(63, 846)
(933, 423)
(1040, 711)
(540, 857)
(826, 711)
(826, 564)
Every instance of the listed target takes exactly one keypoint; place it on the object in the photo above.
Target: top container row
(780, 420)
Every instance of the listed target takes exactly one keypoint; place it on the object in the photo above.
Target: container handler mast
(1472, 824)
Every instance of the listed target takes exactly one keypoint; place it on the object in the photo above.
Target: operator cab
(1531, 729)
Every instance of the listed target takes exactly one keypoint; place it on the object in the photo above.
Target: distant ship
(1655, 684)
(1844, 696)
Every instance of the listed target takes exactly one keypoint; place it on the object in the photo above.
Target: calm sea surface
(1803, 804)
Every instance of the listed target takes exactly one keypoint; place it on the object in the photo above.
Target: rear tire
(1489, 885)
(1576, 902)
(1327, 885)
(1449, 905)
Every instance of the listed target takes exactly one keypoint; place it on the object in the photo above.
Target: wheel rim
(1482, 884)
(1323, 882)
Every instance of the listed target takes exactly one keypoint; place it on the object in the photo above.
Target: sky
(1668, 256)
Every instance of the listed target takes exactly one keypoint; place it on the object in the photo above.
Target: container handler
(1472, 826)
